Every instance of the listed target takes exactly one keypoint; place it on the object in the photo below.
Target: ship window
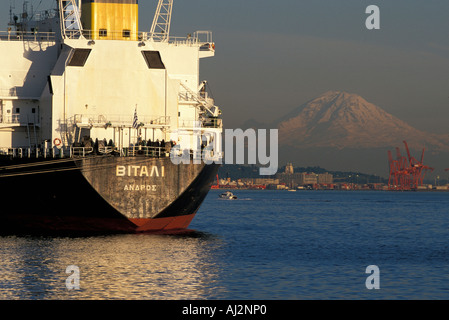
(103, 33)
(126, 33)
(153, 59)
(79, 57)
(33, 110)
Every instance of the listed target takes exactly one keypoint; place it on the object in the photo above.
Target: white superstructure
(62, 83)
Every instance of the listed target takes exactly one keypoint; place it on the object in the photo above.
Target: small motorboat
(227, 195)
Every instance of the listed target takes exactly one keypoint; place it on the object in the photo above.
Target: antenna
(162, 19)
(11, 16)
(70, 19)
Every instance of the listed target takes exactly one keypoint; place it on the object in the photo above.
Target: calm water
(265, 245)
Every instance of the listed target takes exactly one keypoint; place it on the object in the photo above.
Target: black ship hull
(100, 194)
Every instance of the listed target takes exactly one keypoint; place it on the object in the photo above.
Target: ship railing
(27, 36)
(18, 119)
(33, 152)
(203, 39)
(12, 119)
(198, 154)
(14, 152)
(194, 41)
(197, 125)
(134, 151)
(81, 152)
(177, 41)
(85, 120)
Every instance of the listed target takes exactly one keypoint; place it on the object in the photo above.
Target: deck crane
(70, 17)
(162, 20)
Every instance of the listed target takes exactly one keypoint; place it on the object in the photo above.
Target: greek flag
(135, 124)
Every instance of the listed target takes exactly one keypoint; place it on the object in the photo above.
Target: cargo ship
(103, 128)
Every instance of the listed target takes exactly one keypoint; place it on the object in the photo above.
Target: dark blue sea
(266, 245)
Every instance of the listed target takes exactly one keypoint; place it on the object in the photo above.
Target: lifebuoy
(57, 142)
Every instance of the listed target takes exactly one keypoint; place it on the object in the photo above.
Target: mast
(162, 20)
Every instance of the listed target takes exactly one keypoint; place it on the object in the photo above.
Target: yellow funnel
(110, 19)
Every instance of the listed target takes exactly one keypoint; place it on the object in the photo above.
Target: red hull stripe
(170, 223)
(26, 223)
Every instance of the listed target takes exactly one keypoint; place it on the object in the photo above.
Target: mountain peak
(341, 98)
(323, 107)
(333, 94)
(346, 120)
(339, 107)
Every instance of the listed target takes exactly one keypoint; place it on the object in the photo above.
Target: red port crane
(406, 173)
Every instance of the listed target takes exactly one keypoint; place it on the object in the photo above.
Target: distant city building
(325, 178)
(276, 187)
(260, 181)
(289, 168)
(292, 179)
(308, 178)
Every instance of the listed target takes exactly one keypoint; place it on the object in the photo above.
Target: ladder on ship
(32, 134)
(201, 101)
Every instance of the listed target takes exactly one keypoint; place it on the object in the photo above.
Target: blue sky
(272, 56)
